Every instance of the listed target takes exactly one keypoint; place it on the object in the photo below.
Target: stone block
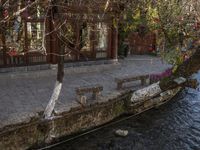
(6, 70)
(82, 99)
(44, 67)
(180, 80)
(53, 66)
(33, 68)
(148, 104)
(99, 62)
(20, 69)
(66, 65)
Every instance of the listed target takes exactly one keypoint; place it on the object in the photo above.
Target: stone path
(22, 95)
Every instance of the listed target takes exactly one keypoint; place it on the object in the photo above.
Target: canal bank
(22, 132)
(24, 95)
(136, 106)
(78, 120)
(173, 126)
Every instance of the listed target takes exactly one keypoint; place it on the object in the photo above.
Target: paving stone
(5, 70)
(20, 69)
(24, 94)
(33, 68)
(44, 67)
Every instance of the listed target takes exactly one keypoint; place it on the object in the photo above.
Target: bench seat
(94, 89)
(121, 81)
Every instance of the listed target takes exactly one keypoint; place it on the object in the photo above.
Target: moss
(119, 109)
(186, 69)
(167, 83)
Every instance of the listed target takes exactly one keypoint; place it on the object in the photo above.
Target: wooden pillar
(26, 44)
(109, 42)
(114, 50)
(93, 42)
(4, 49)
(48, 40)
(77, 37)
(55, 45)
(4, 57)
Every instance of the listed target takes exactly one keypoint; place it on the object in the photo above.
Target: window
(101, 40)
(34, 30)
(102, 37)
(12, 29)
(34, 35)
(28, 27)
(85, 42)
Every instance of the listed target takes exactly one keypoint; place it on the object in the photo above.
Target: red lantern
(12, 52)
(5, 13)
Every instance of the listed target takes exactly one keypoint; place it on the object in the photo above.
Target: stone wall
(77, 120)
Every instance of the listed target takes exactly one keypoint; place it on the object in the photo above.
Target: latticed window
(66, 34)
(21, 34)
(102, 36)
(101, 40)
(85, 42)
(81, 27)
(12, 30)
(34, 37)
(34, 26)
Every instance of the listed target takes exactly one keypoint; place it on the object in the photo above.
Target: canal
(174, 126)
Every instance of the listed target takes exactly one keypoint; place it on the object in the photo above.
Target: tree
(66, 41)
(176, 23)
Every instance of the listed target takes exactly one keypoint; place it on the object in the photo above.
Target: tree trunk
(58, 86)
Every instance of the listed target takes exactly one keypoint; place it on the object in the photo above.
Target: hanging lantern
(12, 52)
(5, 13)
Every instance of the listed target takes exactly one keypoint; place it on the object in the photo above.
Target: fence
(7, 60)
(142, 44)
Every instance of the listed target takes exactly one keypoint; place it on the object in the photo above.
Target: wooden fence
(7, 60)
(142, 44)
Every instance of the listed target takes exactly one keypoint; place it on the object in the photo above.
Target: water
(174, 126)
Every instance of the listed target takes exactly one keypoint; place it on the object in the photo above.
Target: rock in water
(122, 133)
(180, 80)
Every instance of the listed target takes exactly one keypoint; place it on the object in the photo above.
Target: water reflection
(174, 126)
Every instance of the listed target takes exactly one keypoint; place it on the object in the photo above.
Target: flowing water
(174, 126)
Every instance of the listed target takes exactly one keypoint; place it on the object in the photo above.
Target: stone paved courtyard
(25, 94)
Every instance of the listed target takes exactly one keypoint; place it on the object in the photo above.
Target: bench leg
(119, 86)
(82, 99)
(150, 81)
(143, 81)
(96, 95)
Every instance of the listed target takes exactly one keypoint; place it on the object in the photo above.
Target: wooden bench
(94, 89)
(121, 81)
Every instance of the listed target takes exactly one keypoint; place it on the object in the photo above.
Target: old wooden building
(142, 44)
(87, 30)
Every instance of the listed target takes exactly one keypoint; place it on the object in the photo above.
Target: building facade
(87, 31)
